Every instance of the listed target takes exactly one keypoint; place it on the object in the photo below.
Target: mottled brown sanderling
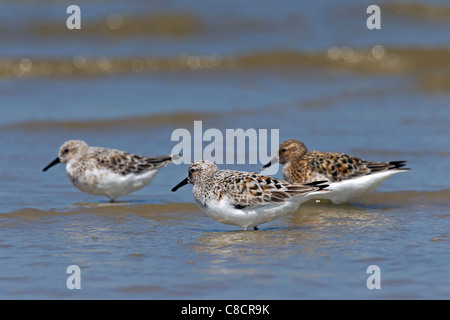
(349, 177)
(107, 172)
(242, 198)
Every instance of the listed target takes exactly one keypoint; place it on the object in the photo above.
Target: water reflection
(314, 230)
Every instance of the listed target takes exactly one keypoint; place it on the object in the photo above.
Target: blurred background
(137, 70)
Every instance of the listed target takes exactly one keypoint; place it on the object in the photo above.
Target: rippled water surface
(136, 71)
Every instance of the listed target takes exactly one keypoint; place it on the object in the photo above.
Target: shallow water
(136, 72)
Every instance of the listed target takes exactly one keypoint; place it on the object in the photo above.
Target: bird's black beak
(56, 161)
(182, 183)
(267, 165)
(271, 162)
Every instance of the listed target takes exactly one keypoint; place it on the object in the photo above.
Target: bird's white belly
(107, 183)
(346, 190)
(223, 212)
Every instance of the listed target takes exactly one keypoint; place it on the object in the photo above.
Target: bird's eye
(283, 150)
(191, 171)
(66, 150)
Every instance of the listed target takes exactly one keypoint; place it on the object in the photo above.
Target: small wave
(172, 210)
(408, 198)
(113, 209)
(419, 10)
(128, 24)
(172, 119)
(374, 60)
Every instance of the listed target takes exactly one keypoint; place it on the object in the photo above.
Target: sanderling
(108, 172)
(349, 177)
(242, 198)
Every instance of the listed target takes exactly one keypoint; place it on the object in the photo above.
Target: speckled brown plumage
(125, 163)
(301, 165)
(242, 188)
(244, 198)
(109, 172)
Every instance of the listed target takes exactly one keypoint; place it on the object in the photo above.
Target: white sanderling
(242, 198)
(349, 177)
(108, 172)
